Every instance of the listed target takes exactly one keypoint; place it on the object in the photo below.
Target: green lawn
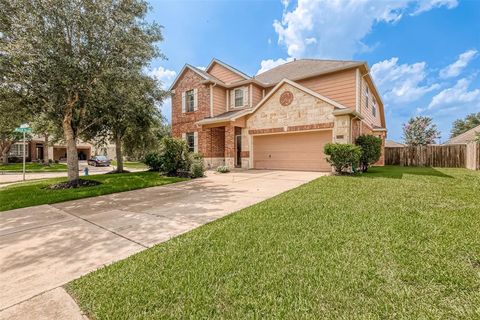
(132, 165)
(391, 244)
(33, 167)
(32, 193)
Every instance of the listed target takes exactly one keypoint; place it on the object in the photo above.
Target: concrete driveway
(44, 247)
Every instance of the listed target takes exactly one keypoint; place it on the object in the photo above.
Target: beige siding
(219, 103)
(222, 73)
(365, 110)
(338, 86)
(257, 94)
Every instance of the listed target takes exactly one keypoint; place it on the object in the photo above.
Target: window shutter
(232, 98)
(183, 102)
(195, 141)
(195, 100)
(245, 96)
(184, 136)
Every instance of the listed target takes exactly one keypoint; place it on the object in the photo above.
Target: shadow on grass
(397, 172)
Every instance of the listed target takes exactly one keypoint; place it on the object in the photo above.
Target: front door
(238, 151)
(39, 152)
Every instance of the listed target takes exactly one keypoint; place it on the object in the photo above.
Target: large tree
(63, 49)
(129, 107)
(420, 131)
(460, 126)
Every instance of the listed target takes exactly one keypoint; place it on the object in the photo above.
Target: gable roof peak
(229, 67)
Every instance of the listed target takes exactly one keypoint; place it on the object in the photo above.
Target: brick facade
(185, 122)
(217, 141)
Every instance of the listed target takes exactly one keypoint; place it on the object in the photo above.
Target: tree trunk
(5, 156)
(6, 150)
(118, 152)
(72, 155)
(45, 150)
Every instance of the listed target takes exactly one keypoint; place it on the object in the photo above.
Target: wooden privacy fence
(451, 156)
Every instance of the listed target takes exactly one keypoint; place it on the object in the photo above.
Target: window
(367, 94)
(191, 141)
(238, 98)
(374, 107)
(190, 101)
(16, 150)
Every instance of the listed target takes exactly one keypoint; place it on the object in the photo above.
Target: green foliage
(174, 155)
(342, 156)
(462, 125)
(66, 52)
(371, 150)
(197, 165)
(154, 161)
(420, 131)
(223, 169)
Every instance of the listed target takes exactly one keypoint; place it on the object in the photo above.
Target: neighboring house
(35, 148)
(393, 144)
(279, 119)
(466, 137)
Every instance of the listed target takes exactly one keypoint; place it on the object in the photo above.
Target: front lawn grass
(395, 243)
(28, 194)
(132, 165)
(33, 167)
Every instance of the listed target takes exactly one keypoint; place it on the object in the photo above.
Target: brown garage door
(291, 151)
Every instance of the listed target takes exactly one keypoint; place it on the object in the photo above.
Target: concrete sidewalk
(44, 247)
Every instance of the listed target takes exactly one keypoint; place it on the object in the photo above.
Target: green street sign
(23, 128)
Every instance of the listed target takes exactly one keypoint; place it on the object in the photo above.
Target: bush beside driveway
(392, 243)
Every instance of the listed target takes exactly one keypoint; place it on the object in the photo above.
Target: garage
(292, 151)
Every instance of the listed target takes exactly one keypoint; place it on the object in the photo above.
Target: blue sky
(423, 55)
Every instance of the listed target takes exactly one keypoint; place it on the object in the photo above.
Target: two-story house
(278, 119)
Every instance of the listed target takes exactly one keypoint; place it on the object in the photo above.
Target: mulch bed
(73, 184)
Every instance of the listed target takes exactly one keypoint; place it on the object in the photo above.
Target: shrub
(174, 155)
(371, 150)
(171, 158)
(342, 156)
(223, 169)
(197, 166)
(153, 161)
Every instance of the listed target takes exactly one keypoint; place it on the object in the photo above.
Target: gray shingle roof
(303, 68)
(465, 137)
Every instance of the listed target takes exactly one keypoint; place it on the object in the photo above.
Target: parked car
(97, 161)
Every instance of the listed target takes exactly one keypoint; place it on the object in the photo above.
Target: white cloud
(401, 83)
(455, 68)
(202, 68)
(266, 65)
(425, 5)
(456, 96)
(165, 76)
(338, 27)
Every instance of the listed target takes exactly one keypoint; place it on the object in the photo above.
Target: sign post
(24, 128)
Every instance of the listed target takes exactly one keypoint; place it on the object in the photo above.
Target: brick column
(230, 146)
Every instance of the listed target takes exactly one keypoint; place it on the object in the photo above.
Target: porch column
(230, 146)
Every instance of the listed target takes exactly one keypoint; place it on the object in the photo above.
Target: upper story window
(367, 96)
(238, 97)
(190, 101)
(374, 107)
